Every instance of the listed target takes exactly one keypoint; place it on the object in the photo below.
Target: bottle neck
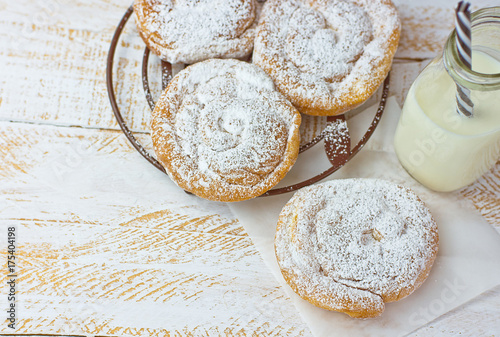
(485, 39)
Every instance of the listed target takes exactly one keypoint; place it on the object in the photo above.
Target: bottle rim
(453, 63)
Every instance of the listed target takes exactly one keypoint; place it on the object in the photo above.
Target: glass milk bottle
(438, 147)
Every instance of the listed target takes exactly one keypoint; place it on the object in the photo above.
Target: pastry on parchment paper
(353, 245)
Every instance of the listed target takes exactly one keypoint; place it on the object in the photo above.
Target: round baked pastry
(188, 31)
(327, 56)
(351, 245)
(223, 132)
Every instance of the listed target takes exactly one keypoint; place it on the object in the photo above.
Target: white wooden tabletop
(105, 244)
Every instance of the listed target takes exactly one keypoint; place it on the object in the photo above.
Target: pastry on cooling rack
(188, 31)
(327, 56)
(223, 132)
(352, 245)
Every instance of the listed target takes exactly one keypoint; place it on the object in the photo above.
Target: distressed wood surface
(107, 244)
(63, 44)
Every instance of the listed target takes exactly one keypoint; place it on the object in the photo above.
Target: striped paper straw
(464, 47)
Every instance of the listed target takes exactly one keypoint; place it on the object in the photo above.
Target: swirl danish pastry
(188, 31)
(327, 56)
(223, 132)
(351, 245)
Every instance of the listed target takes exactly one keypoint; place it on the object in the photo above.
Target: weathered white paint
(84, 200)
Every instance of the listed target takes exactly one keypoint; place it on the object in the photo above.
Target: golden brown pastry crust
(223, 132)
(327, 56)
(352, 245)
(189, 31)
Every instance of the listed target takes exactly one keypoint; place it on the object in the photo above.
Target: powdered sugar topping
(321, 52)
(193, 30)
(226, 127)
(357, 237)
(327, 44)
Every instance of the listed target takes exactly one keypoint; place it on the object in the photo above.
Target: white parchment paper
(468, 261)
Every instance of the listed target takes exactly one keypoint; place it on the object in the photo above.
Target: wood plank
(485, 195)
(54, 66)
(479, 317)
(108, 245)
(56, 57)
(66, 63)
(426, 25)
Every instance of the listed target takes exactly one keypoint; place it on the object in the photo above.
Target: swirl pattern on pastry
(351, 245)
(327, 56)
(223, 132)
(188, 31)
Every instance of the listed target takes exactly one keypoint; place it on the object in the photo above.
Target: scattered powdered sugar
(337, 139)
(315, 48)
(220, 127)
(364, 239)
(188, 31)
(324, 51)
